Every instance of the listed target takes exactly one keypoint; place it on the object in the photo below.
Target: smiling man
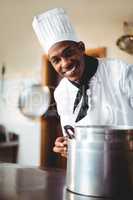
(67, 58)
(92, 91)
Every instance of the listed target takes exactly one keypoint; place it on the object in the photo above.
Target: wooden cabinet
(50, 123)
(9, 144)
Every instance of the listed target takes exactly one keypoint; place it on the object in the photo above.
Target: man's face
(67, 58)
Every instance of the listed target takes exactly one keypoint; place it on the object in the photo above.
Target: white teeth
(68, 73)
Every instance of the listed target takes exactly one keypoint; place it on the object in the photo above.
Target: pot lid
(125, 42)
(34, 101)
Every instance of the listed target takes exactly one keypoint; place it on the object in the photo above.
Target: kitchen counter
(27, 183)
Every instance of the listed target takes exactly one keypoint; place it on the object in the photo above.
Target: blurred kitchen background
(97, 23)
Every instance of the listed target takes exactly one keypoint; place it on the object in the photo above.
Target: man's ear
(81, 46)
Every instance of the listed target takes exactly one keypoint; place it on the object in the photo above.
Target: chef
(92, 91)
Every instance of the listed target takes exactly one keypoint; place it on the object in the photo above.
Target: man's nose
(64, 62)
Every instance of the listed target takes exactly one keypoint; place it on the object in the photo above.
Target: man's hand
(61, 146)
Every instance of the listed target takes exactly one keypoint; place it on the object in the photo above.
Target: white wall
(98, 23)
(27, 129)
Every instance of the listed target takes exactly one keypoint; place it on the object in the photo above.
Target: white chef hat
(53, 26)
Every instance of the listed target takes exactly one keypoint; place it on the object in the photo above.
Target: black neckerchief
(91, 65)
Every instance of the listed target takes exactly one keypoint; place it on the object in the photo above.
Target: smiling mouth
(71, 71)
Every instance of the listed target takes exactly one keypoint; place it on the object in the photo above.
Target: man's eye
(55, 61)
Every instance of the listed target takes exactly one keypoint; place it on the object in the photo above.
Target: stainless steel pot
(100, 161)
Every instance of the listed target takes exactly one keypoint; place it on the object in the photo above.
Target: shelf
(9, 144)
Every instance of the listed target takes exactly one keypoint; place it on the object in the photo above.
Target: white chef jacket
(110, 96)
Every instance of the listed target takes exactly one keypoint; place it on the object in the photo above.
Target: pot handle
(69, 130)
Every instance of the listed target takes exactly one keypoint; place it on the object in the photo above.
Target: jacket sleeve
(63, 108)
(126, 90)
(120, 80)
(126, 83)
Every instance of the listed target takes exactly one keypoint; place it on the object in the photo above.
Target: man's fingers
(59, 150)
(60, 142)
(60, 139)
(64, 155)
(65, 142)
(61, 146)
